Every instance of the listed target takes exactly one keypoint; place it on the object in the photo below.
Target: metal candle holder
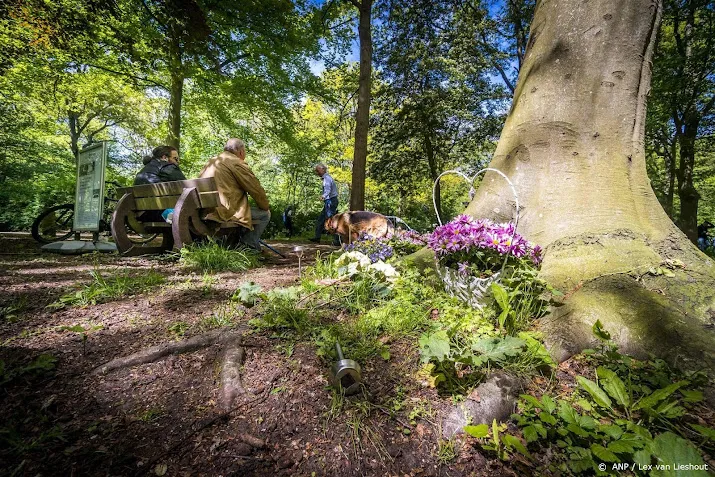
(298, 250)
(346, 373)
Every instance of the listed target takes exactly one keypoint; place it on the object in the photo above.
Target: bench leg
(123, 213)
(124, 208)
(187, 219)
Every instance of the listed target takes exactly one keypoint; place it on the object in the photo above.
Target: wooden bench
(189, 199)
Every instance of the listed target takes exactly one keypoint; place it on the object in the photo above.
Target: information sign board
(89, 195)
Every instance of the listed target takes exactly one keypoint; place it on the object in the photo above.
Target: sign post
(89, 195)
(89, 203)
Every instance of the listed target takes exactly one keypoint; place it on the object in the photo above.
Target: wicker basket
(469, 289)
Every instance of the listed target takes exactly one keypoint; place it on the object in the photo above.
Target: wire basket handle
(470, 181)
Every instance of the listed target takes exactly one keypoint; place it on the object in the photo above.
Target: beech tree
(573, 144)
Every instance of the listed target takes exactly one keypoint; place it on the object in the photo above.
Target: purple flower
(463, 268)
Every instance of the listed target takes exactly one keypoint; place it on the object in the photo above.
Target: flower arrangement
(373, 247)
(405, 242)
(478, 247)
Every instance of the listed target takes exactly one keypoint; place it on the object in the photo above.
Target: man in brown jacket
(235, 182)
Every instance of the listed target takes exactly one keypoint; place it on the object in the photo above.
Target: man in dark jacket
(163, 167)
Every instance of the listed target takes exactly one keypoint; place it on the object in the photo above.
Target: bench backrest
(164, 195)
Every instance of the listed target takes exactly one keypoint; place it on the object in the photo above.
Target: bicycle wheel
(54, 224)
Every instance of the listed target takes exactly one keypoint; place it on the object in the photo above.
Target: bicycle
(56, 223)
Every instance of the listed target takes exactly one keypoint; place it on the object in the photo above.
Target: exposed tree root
(155, 353)
(231, 385)
(246, 438)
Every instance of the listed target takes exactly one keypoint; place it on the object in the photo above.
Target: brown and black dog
(349, 225)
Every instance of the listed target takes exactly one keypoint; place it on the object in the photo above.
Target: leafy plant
(10, 313)
(248, 294)
(44, 363)
(632, 412)
(212, 257)
(82, 332)
(103, 289)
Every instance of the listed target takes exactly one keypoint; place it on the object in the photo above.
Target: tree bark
(573, 144)
(362, 117)
(176, 71)
(689, 196)
(75, 132)
(434, 173)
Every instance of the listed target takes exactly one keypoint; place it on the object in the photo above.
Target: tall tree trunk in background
(573, 144)
(176, 71)
(434, 172)
(75, 132)
(689, 197)
(670, 164)
(362, 117)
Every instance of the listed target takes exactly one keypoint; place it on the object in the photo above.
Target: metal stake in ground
(346, 373)
(299, 252)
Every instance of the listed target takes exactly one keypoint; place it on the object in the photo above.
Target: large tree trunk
(573, 146)
(176, 71)
(362, 117)
(689, 197)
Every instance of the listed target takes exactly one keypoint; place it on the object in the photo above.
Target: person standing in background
(330, 203)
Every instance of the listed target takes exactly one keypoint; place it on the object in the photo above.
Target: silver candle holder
(299, 251)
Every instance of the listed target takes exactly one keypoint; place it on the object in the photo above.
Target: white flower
(385, 269)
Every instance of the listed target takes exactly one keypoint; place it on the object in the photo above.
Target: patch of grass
(223, 315)
(151, 415)
(43, 364)
(178, 328)
(103, 289)
(446, 451)
(11, 312)
(212, 257)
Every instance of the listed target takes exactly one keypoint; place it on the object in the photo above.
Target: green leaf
(248, 293)
(642, 457)
(482, 430)
(530, 434)
(613, 386)
(500, 296)
(576, 429)
(548, 404)
(541, 430)
(612, 431)
(603, 454)
(599, 332)
(706, 432)
(649, 402)
(385, 354)
(547, 418)
(669, 449)
(514, 443)
(621, 447)
(567, 413)
(495, 433)
(531, 400)
(596, 392)
(498, 349)
(691, 396)
(435, 345)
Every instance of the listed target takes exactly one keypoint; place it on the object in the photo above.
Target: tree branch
(128, 75)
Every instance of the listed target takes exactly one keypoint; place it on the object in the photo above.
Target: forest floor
(163, 417)
(60, 417)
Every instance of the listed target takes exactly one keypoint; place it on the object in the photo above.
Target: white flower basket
(470, 290)
(467, 288)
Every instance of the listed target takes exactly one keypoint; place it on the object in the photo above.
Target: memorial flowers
(478, 247)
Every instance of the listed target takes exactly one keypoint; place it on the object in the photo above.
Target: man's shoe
(314, 240)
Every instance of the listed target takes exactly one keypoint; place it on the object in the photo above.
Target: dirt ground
(162, 418)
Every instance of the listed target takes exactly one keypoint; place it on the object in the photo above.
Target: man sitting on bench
(162, 167)
(235, 181)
